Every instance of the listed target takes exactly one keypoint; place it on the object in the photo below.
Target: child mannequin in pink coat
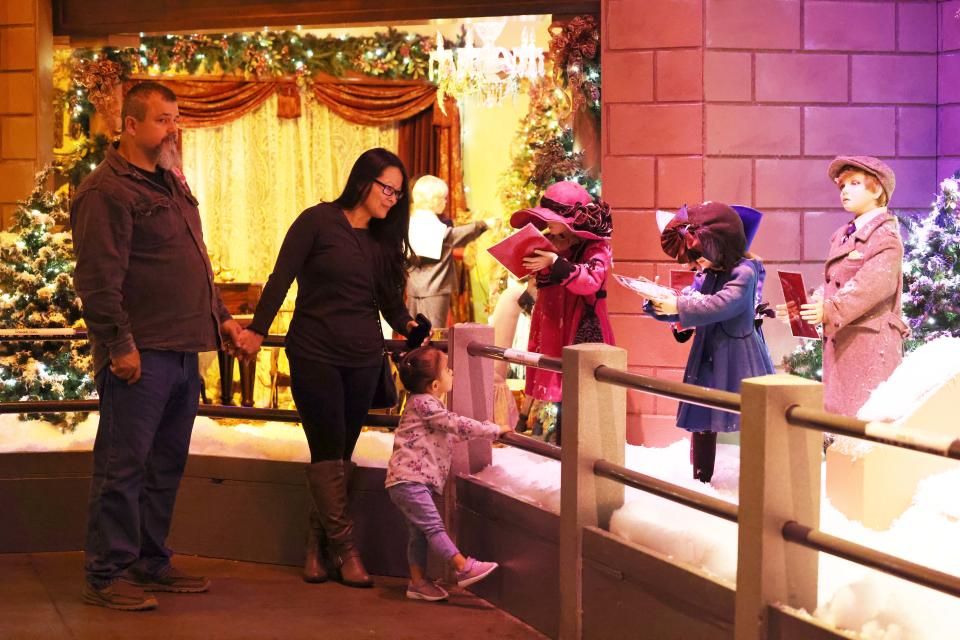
(859, 302)
(571, 305)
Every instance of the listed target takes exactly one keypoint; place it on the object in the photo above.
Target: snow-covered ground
(851, 597)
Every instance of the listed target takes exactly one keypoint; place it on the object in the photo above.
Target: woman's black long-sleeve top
(340, 272)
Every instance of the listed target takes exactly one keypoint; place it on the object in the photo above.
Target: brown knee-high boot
(313, 565)
(703, 453)
(329, 488)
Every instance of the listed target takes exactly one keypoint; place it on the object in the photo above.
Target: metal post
(779, 482)
(594, 427)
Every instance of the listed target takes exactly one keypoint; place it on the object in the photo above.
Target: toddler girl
(418, 469)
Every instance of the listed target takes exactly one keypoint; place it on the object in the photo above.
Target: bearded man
(150, 306)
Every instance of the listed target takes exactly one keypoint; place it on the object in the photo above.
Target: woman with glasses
(349, 258)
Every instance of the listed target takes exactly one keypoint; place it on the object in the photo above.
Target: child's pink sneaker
(474, 571)
(426, 590)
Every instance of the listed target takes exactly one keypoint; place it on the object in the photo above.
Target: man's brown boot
(328, 485)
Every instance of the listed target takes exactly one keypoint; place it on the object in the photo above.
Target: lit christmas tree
(36, 292)
(931, 269)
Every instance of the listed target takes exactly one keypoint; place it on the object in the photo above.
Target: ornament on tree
(931, 269)
(575, 50)
(101, 78)
(36, 280)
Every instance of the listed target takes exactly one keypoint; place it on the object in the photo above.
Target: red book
(511, 251)
(795, 295)
(680, 279)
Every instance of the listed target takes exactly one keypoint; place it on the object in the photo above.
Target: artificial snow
(921, 373)
(264, 441)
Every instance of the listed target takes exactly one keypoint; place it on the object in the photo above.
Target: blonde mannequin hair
(429, 193)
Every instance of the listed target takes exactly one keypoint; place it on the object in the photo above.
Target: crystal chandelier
(487, 72)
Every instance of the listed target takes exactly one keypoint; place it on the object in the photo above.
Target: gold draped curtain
(429, 140)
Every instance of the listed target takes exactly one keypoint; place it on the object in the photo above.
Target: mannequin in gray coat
(433, 280)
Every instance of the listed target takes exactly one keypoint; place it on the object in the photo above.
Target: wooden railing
(779, 505)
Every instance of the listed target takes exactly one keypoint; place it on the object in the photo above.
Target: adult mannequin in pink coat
(859, 302)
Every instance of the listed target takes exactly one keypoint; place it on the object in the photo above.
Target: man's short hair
(135, 101)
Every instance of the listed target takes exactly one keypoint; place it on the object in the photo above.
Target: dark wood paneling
(783, 625)
(91, 18)
(629, 592)
(234, 508)
(523, 538)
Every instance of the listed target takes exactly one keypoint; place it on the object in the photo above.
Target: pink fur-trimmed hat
(569, 204)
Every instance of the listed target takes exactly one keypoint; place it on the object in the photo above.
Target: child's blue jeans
(424, 526)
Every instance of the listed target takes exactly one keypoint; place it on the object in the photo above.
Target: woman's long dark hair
(392, 233)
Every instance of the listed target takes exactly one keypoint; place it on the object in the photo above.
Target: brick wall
(746, 101)
(26, 130)
(949, 88)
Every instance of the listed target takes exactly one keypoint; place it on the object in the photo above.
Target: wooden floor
(40, 598)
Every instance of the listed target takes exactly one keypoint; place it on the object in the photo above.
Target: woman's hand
(248, 344)
(540, 260)
(413, 324)
(665, 305)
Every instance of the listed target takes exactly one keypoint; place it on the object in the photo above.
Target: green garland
(393, 54)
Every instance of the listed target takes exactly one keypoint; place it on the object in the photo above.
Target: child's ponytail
(420, 367)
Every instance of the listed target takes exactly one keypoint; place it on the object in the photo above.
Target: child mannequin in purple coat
(728, 346)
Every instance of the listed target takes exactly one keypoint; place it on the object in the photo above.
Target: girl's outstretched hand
(541, 260)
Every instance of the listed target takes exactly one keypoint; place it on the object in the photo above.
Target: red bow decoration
(593, 217)
(578, 40)
(680, 239)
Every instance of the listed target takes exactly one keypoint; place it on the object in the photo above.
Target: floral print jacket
(423, 442)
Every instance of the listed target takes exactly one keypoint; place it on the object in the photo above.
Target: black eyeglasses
(389, 191)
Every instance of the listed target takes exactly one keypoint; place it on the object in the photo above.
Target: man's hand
(248, 344)
(231, 330)
(541, 260)
(127, 366)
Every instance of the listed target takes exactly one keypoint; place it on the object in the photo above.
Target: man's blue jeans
(138, 459)
(424, 525)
